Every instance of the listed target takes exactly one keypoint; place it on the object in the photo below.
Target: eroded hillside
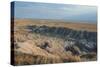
(36, 43)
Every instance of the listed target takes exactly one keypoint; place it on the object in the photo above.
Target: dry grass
(28, 59)
(30, 52)
(53, 23)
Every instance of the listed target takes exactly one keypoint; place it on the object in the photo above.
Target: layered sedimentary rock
(85, 41)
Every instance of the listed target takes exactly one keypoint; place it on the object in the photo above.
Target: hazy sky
(56, 11)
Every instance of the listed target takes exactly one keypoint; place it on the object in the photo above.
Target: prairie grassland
(58, 23)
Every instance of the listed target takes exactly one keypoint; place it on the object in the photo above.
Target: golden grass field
(27, 46)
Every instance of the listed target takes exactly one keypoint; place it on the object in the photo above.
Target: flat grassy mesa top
(57, 23)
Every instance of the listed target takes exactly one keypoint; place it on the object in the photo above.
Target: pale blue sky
(33, 10)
